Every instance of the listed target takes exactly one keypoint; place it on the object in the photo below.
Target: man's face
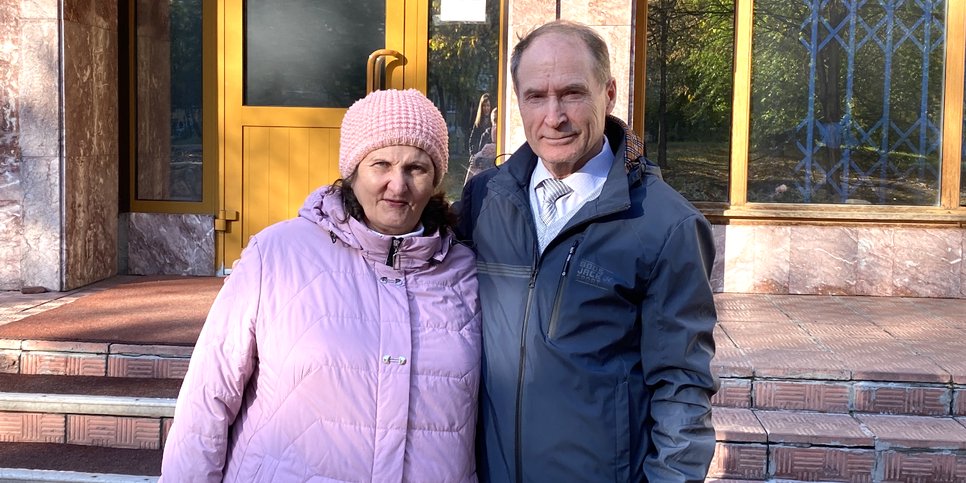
(562, 103)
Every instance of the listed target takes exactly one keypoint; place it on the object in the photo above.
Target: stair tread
(90, 385)
(86, 459)
(831, 429)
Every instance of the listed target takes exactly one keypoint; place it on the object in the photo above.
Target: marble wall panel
(170, 244)
(618, 40)
(10, 246)
(91, 212)
(962, 266)
(874, 261)
(928, 262)
(35, 9)
(598, 12)
(739, 258)
(40, 135)
(42, 251)
(9, 104)
(92, 13)
(39, 88)
(848, 260)
(11, 188)
(91, 137)
(90, 91)
(772, 255)
(822, 260)
(526, 15)
(718, 269)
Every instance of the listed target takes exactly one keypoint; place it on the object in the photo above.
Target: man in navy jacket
(594, 282)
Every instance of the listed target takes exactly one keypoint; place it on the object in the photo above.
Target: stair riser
(759, 462)
(89, 430)
(93, 359)
(912, 399)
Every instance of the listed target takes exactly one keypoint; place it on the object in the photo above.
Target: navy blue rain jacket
(597, 353)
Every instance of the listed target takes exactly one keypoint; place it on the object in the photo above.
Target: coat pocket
(622, 433)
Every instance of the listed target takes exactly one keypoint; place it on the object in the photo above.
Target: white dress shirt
(586, 184)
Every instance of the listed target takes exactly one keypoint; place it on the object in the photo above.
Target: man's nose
(555, 115)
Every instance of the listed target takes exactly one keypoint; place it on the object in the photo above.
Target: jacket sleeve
(677, 347)
(221, 364)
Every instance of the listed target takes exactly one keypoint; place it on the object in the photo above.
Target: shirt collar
(586, 178)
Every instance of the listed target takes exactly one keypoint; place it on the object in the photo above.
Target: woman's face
(485, 106)
(393, 185)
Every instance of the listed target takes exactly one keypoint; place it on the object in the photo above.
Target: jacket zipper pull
(393, 252)
(570, 255)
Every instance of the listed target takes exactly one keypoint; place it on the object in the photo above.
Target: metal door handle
(376, 69)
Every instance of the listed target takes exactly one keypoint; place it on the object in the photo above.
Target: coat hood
(324, 208)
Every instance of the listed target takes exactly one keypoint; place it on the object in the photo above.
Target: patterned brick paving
(31, 428)
(740, 461)
(815, 396)
(924, 467)
(822, 464)
(794, 427)
(915, 432)
(825, 388)
(147, 366)
(114, 432)
(733, 393)
(902, 399)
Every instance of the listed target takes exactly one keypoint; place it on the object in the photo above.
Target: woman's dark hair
(436, 216)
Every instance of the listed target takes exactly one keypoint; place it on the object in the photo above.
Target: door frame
(411, 39)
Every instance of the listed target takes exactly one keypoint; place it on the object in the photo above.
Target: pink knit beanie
(390, 118)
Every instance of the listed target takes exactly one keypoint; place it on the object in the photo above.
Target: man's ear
(611, 95)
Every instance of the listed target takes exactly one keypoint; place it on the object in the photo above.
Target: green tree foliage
(689, 49)
(463, 64)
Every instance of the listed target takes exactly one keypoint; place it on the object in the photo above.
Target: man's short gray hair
(595, 44)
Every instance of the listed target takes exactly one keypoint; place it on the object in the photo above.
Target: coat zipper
(552, 329)
(523, 355)
(393, 256)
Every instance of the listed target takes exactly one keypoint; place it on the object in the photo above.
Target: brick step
(83, 410)
(71, 358)
(50, 462)
(763, 445)
(843, 396)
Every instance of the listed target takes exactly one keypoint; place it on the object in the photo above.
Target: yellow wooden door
(291, 68)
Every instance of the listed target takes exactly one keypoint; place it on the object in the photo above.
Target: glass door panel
(310, 53)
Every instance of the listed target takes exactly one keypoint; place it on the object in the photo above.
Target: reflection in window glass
(462, 81)
(846, 102)
(689, 87)
(169, 93)
(310, 53)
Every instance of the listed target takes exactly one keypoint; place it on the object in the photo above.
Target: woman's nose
(397, 182)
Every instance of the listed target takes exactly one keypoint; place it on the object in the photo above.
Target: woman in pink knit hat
(346, 344)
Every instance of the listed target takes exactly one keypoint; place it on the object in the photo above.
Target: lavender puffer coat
(319, 362)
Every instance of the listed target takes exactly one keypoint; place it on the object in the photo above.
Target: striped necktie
(553, 189)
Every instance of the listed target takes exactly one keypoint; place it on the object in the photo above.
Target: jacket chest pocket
(587, 296)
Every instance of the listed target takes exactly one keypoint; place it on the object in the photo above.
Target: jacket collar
(628, 169)
(324, 208)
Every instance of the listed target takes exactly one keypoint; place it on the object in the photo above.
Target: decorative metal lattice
(867, 132)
